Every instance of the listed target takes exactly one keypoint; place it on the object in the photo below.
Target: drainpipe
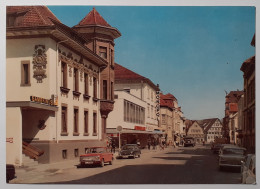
(57, 64)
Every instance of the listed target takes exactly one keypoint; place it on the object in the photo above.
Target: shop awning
(114, 131)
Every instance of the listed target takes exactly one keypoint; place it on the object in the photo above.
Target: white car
(248, 170)
(231, 156)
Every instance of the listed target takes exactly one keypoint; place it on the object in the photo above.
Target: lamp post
(119, 129)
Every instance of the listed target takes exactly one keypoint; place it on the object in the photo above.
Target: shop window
(25, 73)
(64, 154)
(103, 52)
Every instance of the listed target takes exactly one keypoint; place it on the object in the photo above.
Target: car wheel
(134, 156)
(139, 155)
(102, 163)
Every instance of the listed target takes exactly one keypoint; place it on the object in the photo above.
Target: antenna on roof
(226, 92)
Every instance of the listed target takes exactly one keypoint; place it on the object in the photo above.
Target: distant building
(196, 131)
(59, 84)
(212, 129)
(248, 130)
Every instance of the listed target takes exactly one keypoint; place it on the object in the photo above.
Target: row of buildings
(205, 130)
(65, 93)
(239, 120)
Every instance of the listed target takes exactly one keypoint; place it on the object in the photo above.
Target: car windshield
(233, 151)
(127, 147)
(95, 150)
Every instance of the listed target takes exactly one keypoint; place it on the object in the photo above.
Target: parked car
(189, 141)
(97, 156)
(10, 172)
(130, 151)
(248, 170)
(231, 156)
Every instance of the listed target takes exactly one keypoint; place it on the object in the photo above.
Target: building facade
(56, 101)
(248, 131)
(230, 121)
(213, 129)
(196, 131)
(136, 101)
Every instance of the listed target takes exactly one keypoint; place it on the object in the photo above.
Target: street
(182, 165)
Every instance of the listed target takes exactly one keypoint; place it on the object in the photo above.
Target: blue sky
(195, 53)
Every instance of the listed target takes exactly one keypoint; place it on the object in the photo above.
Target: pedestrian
(149, 145)
(174, 144)
(113, 149)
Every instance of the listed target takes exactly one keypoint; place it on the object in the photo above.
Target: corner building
(59, 84)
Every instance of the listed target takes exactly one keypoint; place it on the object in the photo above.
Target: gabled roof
(31, 15)
(123, 74)
(206, 124)
(93, 18)
(246, 63)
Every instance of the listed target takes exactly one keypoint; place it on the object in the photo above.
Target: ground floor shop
(142, 138)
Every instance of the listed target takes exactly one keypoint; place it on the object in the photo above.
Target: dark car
(189, 141)
(130, 151)
(10, 172)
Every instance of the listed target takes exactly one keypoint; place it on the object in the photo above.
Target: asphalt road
(183, 165)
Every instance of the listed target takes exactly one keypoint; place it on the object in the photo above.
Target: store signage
(10, 140)
(149, 128)
(139, 128)
(52, 102)
(158, 104)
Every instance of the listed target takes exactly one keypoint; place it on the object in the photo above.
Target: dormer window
(103, 52)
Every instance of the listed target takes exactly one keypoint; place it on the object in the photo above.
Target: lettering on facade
(158, 104)
(52, 102)
(39, 63)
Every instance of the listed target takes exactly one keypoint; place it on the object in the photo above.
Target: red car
(97, 156)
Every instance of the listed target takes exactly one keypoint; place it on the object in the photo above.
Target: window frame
(23, 73)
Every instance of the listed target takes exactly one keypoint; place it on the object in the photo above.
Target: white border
(116, 3)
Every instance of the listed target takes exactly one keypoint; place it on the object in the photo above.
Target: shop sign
(52, 102)
(139, 128)
(158, 104)
(149, 128)
(10, 140)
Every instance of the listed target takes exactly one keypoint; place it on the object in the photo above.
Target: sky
(194, 53)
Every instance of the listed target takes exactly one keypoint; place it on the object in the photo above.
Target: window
(112, 57)
(64, 154)
(103, 52)
(112, 91)
(94, 87)
(85, 84)
(148, 111)
(105, 89)
(76, 152)
(64, 75)
(85, 122)
(94, 123)
(133, 113)
(76, 80)
(163, 119)
(25, 73)
(64, 120)
(76, 114)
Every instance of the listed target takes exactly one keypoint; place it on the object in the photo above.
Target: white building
(213, 129)
(53, 86)
(135, 98)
